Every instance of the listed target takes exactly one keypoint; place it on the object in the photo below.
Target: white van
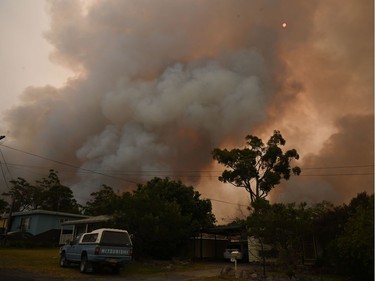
(240, 246)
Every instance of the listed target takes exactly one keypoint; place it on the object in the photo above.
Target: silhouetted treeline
(163, 214)
(343, 236)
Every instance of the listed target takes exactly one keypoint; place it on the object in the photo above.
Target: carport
(211, 242)
(72, 228)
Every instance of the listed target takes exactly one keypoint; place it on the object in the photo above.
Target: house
(40, 224)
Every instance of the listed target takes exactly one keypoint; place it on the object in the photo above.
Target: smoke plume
(159, 84)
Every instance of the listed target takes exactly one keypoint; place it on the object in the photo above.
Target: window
(25, 223)
(115, 238)
(75, 240)
(90, 238)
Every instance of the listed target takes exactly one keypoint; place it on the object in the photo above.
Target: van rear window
(115, 238)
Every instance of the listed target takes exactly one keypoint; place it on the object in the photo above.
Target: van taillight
(97, 250)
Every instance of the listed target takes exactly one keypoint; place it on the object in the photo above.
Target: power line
(6, 166)
(226, 202)
(190, 173)
(3, 174)
(196, 174)
(69, 165)
(5, 163)
(337, 167)
(215, 200)
(335, 175)
(167, 172)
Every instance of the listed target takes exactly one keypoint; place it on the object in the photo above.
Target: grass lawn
(46, 262)
(41, 261)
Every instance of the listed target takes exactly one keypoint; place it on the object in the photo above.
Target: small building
(40, 225)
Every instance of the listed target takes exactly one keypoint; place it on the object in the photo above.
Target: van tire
(63, 261)
(83, 266)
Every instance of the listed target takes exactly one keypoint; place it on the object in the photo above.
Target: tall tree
(258, 167)
(48, 194)
(60, 198)
(3, 206)
(199, 210)
(22, 195)
(102, 202)
(163, 214)
(55, 196)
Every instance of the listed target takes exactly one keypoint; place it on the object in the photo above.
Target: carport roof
(89, 220)
(224, 230)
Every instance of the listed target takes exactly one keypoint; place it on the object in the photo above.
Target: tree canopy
(3, 205)
(102, 202)
(344, 234)
(198, 210)
(161, 204)
(257, 167)
(282, 226)
(151, 210)
(47, 193)
(350, 229)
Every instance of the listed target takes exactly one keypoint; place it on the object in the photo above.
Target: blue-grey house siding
(39, 221)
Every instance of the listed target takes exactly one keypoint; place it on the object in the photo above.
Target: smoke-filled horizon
(159, 84)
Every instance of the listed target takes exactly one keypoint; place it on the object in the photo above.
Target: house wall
(38, 223)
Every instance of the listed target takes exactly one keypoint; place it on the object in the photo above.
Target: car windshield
(115, 238)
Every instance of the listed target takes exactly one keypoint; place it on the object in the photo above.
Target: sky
(118, 92)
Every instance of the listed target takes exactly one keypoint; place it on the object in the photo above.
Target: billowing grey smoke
(159, 84)
(345, 164)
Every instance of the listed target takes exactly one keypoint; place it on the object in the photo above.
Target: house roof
(88, 220)
(45, 212)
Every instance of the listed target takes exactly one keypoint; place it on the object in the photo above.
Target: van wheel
(63, 261)
(83, 266)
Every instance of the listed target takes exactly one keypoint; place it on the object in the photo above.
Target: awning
(224, 230)
(89, 220)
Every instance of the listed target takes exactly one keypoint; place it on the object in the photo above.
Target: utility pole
(11, 204)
